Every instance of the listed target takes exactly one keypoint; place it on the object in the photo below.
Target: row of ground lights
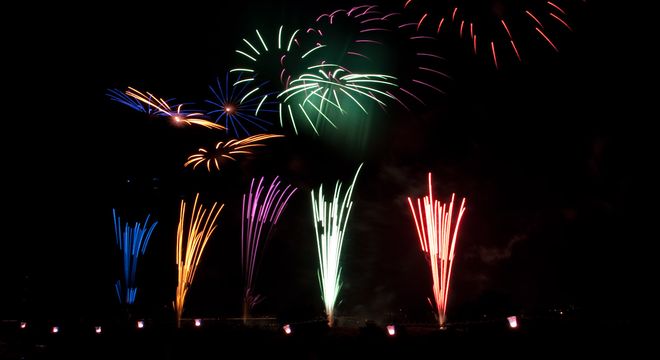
(288, 330)
(98, 329)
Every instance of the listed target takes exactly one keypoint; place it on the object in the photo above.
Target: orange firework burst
(177, 114)
(227, 150)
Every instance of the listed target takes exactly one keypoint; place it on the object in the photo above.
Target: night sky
(547, 153)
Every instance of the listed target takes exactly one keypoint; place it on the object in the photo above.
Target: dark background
(550, 156)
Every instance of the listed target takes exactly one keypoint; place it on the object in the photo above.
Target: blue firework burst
(236, 104)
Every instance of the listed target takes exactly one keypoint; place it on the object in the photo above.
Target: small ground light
(513, 322)
(391, 330)
(140, 324)
(55, 329)
(198, 322)
(97, 329)
(23, 325)
(287, 329)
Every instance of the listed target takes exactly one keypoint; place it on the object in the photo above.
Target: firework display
(227, 150)
(367, 39)
(132, 242)
(119, 96)
(190, 243)
(498, 28)
(361, 83)
(352, 38)
(331, 89)
(236, 107)
(437, 238)
(263, 60)
(420, 66)
(265, 56)
(176, 113)
(260, 212)
(330, 220)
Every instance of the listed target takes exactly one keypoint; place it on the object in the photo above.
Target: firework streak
(132, 242)
(227, 150)
(494, 27)
(330, 219)
(177, 114)
(438, 241)
(234, 105)
(261, 211)
(190, 245)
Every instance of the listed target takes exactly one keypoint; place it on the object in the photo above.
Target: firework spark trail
(190, 245)
(349, 37)
(495, 27)
(281, 63)
(236, 105)
(437, 240)
(299, 67)
(331, 87)
(119, 96)
(177, 114)
(263, 64)
(227, 150)
(348, 70)
(132, 242)
(259, 215)
(277, 53)
(365, 39)
(421, 69)
(330, 219)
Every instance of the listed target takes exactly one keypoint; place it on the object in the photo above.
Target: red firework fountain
(437, 238)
